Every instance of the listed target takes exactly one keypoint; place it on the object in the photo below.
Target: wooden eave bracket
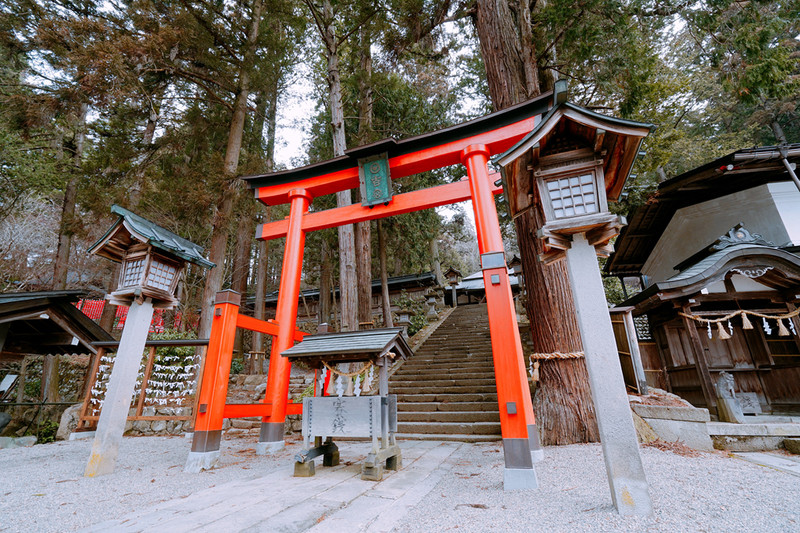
(599, 230)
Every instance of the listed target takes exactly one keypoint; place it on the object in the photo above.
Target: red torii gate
(470, 144)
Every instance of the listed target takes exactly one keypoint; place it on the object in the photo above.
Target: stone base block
(304, 469)
(746, 443)
(692, 434)
(199, 461)
(81, 435)
(519, 479)
(372, 473)
(792, 445)
(268, 448)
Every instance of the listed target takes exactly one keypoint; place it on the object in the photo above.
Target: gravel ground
(42, 489)
(710, 492)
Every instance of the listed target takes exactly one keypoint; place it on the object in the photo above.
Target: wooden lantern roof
(452, 272)
(569, 128)
(130, 229)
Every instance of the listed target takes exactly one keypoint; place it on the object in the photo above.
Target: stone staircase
(447, 390)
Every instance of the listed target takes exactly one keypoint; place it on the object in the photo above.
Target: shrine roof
(735, 172)
(351, 345)
(781, 271)
(47, 322)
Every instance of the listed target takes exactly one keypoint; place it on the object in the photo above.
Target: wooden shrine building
(716, 251)
(42, 323)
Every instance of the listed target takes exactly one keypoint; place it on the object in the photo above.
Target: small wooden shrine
(370, 416)
(716, 252)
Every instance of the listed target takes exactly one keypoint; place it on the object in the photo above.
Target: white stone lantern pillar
(569, 157)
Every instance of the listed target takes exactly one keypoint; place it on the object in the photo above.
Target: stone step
(446, 437)
(435, 374)
(472, 428)
(442, 383)
(439, 364)
(421, 389)
(433, 417)
(446, 406)
(454, 360)
(463, 343)
(444, 397)
(457, 347)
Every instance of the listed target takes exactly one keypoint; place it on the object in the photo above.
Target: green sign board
(376, 184)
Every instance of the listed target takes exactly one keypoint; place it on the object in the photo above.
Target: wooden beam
(66, 325)
(4, 334)
(267, 327)
(599, 136)
(701, 364)
(245, 410)
(45, 339)
(400, 204)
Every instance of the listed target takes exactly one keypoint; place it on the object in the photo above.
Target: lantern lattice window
(573, 195)
(161, 275)
(133, 272)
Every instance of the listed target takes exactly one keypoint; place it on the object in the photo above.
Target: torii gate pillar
(271, 436)
(520, 437)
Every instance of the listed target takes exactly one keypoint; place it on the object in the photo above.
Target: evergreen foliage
(132, 103)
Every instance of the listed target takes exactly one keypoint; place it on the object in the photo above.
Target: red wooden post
(513, 395)
(216, 372)
(277, 393)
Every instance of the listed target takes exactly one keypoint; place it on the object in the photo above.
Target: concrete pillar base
(519, 479)
(631, 497)
(80, 435)
(268, 448)
(537, 453)
(270, 439)
(199, 461)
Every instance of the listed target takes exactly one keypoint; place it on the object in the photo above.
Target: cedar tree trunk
(563, 404)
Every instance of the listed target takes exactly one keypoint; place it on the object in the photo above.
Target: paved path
(784, 463)
(335, 499)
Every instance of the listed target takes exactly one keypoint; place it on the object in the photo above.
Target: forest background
(159, 106)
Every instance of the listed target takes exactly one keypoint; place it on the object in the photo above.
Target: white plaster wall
(787, 201)
(771, 210)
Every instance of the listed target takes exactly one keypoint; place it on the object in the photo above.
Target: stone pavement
(335, 499)
(784, 463)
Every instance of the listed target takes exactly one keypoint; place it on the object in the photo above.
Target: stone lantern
(575, 161)
(453, 276)
(430, 299)
(404, 317)
(153, 260)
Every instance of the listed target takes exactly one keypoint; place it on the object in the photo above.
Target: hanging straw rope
(348, 374)
(557, 355)
(743, 313)
(746, 324)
